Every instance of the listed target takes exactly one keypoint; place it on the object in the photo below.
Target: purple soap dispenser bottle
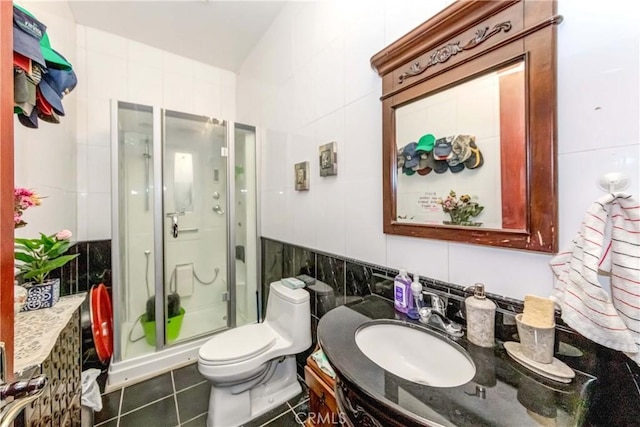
(402, 291)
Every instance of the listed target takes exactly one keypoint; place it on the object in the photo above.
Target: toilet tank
(289, 314)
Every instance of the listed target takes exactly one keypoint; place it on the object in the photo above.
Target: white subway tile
(303, 35)
(363, 140)
(99, 214)
(578, 174)
(402, 16)
(363, 38)
(206, 73)
(106, 76)
(177, 92)
(82, 168)
(329, 83)
(106, 43)
(504, 272)
(144, 54)
(145, 84)
(430, 258)
(99, 121)
(98, 169)
(330, 226)
(177, 65)
(304, 219)
(276, 218)
(275, 170)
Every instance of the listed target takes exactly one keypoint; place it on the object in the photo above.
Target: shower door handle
(174, 222)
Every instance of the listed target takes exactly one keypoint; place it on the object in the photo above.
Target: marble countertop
(502, 393)
(36, 331)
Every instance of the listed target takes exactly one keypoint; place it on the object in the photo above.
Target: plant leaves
(58, 248)
(32, 244)
(50, 265)
(21, 256)
(59, 262)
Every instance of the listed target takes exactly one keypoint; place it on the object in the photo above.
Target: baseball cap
(442, 148)
(426, 143)
(53, 58)
(27, 35)
(51, 97)
(31, 120)
(47, 55)
(411, 158)
(61, 81)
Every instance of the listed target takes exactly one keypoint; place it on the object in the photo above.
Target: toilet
(252, 368)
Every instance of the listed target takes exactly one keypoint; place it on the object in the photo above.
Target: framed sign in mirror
(469, 126)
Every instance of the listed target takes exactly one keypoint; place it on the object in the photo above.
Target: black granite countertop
(502, 392)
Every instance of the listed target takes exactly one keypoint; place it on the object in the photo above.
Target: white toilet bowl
(252, 369)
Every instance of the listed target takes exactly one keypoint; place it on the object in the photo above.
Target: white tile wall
(311, 67)
(45, 158)
(108, 67)
(598, 110)
(112, 67)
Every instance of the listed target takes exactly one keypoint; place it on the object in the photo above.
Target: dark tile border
(363, 278)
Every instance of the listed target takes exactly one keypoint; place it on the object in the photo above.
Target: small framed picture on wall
(329, 159)
(302, 176)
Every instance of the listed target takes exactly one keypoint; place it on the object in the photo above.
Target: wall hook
(613, 182)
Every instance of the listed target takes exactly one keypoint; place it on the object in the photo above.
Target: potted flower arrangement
(23, 199)
(460, 210)
(36, 259)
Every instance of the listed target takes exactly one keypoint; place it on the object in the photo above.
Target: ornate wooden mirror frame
(466, 40)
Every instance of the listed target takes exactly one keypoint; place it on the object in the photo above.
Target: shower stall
(184, 235)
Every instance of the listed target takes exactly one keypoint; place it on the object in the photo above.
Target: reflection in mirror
(183, 182)
(461, 158)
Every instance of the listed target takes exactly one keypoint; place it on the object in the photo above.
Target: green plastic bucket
(172, 328)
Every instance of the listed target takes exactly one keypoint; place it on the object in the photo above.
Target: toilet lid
(238, 344)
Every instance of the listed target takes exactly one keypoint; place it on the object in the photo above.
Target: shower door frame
(228, 151)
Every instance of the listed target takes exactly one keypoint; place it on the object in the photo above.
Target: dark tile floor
(181, 398)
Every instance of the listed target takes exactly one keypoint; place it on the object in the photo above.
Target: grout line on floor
(107, 421)
(195, 418)
(148, 404)
(175, 397)
(299, 403)
(120, 406)
(191, 386)
(295, 414)
(275, 418)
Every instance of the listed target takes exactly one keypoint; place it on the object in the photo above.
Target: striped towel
(609, 238)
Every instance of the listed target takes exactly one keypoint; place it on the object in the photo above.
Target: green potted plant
(36, 259)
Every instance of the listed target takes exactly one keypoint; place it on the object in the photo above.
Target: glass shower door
(134, 145)
(245, 224)
(195, 226)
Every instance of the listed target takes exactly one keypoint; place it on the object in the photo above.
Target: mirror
(450, 145)
(469, 126)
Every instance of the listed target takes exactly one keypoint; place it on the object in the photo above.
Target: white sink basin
(415, 355)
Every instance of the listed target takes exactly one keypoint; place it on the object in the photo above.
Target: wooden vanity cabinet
(59, 406)
(323, 410)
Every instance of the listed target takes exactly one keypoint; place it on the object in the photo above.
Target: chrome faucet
(435, 315)
(23, 392)
(30, 390)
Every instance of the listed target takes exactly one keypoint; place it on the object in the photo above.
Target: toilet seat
(237, 345)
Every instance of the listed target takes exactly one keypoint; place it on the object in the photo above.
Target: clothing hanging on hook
(609, 239)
